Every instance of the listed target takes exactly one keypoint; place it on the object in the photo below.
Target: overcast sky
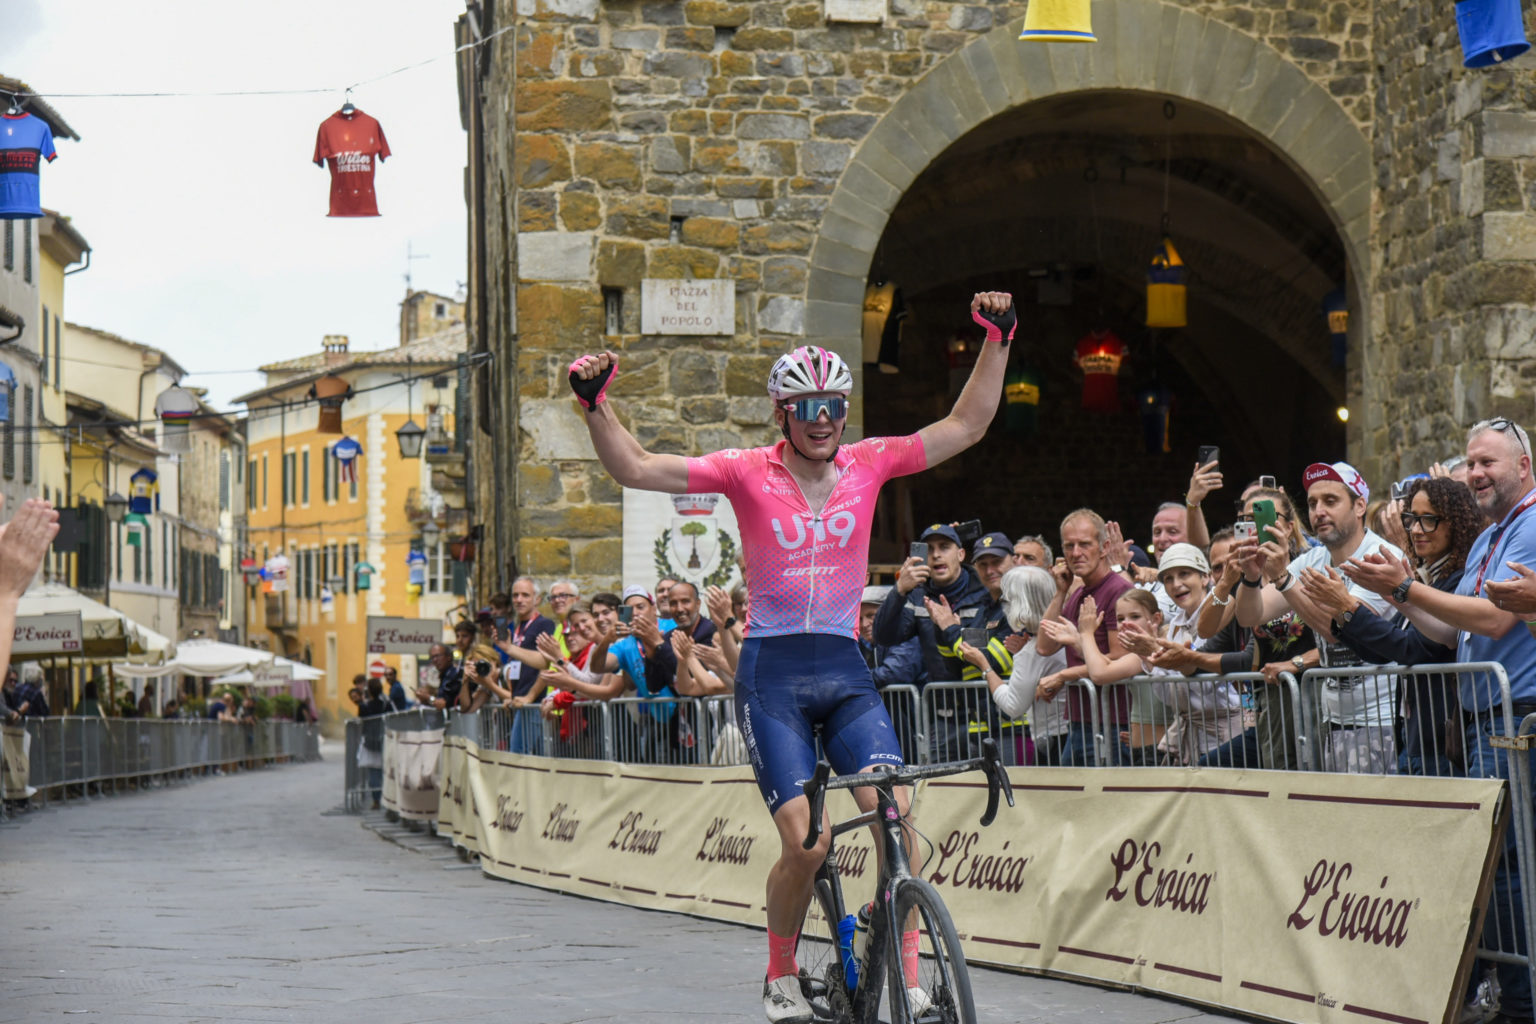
(206, 217)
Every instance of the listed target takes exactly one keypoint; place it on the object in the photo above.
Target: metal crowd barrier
(357, 794)
(76, 756)
(1455, 720)
(902, 704)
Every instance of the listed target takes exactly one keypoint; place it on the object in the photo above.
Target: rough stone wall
(632, 139)
(1453, 243)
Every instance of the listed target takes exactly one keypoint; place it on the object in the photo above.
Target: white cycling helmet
(809, 370)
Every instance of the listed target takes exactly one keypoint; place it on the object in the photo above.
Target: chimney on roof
(335, 348)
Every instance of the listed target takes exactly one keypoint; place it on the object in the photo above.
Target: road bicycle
(826, 952)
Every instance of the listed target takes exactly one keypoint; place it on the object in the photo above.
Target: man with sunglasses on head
(1357, 711)
(805, 507)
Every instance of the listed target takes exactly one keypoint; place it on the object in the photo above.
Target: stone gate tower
(1292, 149)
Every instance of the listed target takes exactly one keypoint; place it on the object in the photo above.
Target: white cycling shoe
(919, 1001)
(784, 1003)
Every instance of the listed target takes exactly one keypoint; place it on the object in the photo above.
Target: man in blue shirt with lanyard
(1499, 475)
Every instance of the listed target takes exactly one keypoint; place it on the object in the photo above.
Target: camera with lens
(482, 667)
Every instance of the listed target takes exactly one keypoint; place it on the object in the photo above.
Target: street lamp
(430, 534)
(117, 507)
(410, 437)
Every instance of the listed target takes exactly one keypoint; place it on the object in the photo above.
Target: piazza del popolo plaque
(676, 306)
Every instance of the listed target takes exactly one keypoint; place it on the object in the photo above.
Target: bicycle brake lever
(997, 780)
(815, 789)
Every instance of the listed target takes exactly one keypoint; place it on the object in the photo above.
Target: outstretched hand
(994, 311)
(23, 543)
(590, 376)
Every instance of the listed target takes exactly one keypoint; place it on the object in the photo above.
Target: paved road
(239, 899)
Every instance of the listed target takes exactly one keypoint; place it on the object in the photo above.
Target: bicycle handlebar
(990, 762)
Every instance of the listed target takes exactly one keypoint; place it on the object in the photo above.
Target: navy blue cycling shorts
(786, 686)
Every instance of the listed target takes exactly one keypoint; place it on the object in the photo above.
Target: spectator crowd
(1078, 647)
(1091, 649)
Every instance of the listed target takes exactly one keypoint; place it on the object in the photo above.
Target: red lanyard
(1499, 532)
(517, 633)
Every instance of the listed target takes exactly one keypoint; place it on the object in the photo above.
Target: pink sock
(910, 941)
(781, 955)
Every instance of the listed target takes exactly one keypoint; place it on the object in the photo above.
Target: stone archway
(1143, 46)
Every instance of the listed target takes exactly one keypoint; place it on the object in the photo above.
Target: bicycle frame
(882, 948)
(895, 865)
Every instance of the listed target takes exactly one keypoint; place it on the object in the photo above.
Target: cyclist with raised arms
(805, 506)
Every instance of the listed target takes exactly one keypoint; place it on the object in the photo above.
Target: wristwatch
(1343, 620)
(730, 622)
(1400, 592)
(1300, 663)
(1117, 568)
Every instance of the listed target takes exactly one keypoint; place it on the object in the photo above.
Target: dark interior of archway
(1061, 202)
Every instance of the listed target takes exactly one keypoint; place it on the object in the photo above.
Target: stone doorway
(1061, 202)
(995, 173)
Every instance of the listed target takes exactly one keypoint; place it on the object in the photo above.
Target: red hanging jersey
(351, 144)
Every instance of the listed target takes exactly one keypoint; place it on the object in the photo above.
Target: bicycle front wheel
(941, 991)
(821, 961)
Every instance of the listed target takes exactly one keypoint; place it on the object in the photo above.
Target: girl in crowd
(589, 647)
(1441, 522)
(1284, 644)
(1027, 591)
(1136, 611)
(1208, 713)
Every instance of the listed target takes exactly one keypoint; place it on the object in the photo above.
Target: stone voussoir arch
(1144, 46)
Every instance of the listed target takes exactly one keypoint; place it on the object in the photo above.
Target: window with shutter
(29, 432)
(8, 460)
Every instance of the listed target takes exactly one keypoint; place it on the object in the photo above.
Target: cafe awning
(201, 658)
(106, 632)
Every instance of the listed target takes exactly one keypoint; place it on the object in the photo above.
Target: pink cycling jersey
(805, 571)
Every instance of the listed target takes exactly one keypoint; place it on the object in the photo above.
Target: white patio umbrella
(276, 674)
(201, 658)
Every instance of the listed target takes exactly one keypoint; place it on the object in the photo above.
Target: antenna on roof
(409, 256)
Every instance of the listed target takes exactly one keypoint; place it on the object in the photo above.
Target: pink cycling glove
(1000, 326)
(592, 393)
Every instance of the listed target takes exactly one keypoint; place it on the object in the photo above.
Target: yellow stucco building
(299, 506)
(61, 247)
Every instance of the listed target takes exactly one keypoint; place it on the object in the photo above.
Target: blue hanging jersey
(25, 142)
